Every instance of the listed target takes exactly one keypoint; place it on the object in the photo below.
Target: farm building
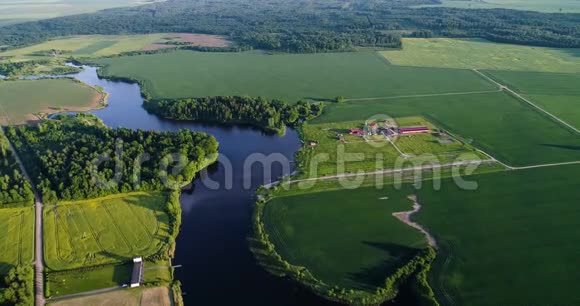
(137, 275)
(356, 132)
(414, 130)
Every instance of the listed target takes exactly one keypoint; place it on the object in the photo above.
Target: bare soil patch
(203, 40)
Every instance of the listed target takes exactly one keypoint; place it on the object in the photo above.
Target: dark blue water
(218, 268)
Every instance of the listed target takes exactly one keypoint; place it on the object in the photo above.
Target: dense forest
(77, 157)
(309, 26)
(15, 190)
(269, 115)
(18, 287)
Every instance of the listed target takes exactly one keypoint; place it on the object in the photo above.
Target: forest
(77, 157)
(269, 115)
(309, 26)
(15, 190)
(18, 288)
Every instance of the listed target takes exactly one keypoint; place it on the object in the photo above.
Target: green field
(416, 149)
(287, 76)
(16, 241)
(547, 6)
(24, 10)
(103, 231)
(481, 54)
(76, 281)
(497, 123)
(518, 228)
(22, 101)
(346, 238)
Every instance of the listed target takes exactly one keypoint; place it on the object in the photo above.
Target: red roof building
(414, 130)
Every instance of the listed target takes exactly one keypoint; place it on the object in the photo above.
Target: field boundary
(423, 95)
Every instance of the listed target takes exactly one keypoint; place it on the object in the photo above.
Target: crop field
(22, 101)
(105, 45)
(104, 231)
(546, 6)
(518, 227)
(24, 10)
(374, 153)
(76, 281)
(151, 296)
(16, 241)
(347, 238)
(287, 76)
(481, 54)
(497, 123)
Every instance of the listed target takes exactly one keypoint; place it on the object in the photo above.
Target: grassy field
(346, 238)
(103, 231)
(518, 228)
(287, 76)
(415, 149)
(76, 281)
(16, 241)
(496, 122)
(89, 45)
(155, 296)
(547, 6)
(21, 101)
(481, 54)
(25, 10)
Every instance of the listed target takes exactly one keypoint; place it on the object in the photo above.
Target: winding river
(217, 266)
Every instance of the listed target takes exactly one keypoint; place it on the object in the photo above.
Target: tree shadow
(372, 277)
(566, 147)
(319, 99)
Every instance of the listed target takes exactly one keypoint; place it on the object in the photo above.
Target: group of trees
(18, 287)
(310, 26)
(270, 115)
(14, 187)
(77, 157)
(17, 69)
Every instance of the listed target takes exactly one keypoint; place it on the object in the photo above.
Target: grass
(22, 100)
(417, 148)
(25, 10)
(345, 238)
(481, 54)
(154, 296)
(77, 281)
(16, 241)
(105, 231)
(499, 124)
(518, 228)
(546, 6)
(286, 76)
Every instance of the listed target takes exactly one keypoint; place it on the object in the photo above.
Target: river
(218, 268)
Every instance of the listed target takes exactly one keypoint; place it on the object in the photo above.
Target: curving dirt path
(405, 217)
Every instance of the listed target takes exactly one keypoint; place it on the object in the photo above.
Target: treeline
(414, 271)
(17, 69)
(269, 115)
(18, 287)
(77, 157)
(331, 25)
(15, 190)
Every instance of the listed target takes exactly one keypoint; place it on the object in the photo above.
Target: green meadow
(286, 76)
(347, 238)
(481, 54)
(109, 230)
(16, 241)
(23, 101)
(546, 6)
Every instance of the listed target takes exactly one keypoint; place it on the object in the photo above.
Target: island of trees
(15, 190)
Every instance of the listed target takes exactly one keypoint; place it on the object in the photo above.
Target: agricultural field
(76, 281)
(546, 6)
(108, 230)
(397, 152)
(16, 241)
(106, 45)
(497, 123)
(153, 296)
(347, 238)
(481, 54)
(25, 101)
(14, 11)
(287, 76)
(557, 93)
(518, 227)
